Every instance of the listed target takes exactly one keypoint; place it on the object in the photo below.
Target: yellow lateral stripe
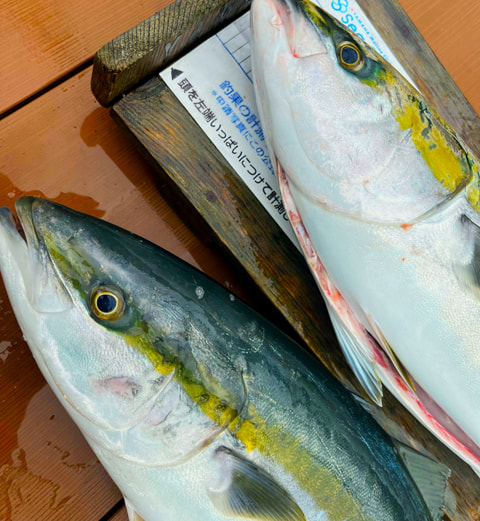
(320, 483)
(444, 164)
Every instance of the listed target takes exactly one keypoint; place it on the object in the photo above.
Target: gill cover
(131, 354)
(350, 132)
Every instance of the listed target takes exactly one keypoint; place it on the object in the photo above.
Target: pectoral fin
(358, 356)
(247, 491)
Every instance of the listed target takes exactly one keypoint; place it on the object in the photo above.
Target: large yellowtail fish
(198, 408)
(384, 199)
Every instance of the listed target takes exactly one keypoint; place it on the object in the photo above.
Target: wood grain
(42, 40)
(135, 55)
(120, 515)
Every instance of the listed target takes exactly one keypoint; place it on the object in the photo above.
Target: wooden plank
(64, 146)
(204, 181)
(135, 55)
(42, 40)
(452, 30)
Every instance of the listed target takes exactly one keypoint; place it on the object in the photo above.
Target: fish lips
(45, 289)
(289, 19)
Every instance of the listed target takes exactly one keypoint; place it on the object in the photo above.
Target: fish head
(107, 316)
(350, 132)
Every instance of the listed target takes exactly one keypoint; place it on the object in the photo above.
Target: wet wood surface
(42, 41)
(63, 145)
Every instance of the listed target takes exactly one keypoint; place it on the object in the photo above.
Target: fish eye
(350, 56)
(107, 303)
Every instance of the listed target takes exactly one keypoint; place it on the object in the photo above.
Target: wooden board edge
(135, 55)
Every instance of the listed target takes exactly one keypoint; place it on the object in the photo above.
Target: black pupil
(349, 55)
(106, 303)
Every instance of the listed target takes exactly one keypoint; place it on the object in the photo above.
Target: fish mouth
(302, 24)
(43, 287)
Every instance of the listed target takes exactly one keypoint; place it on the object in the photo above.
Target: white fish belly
(404, 280)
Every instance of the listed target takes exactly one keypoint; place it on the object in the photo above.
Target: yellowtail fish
(197, 407)
(384, 199)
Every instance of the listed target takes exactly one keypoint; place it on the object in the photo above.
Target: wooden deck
(56, 141)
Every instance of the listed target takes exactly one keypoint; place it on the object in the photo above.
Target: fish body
(384, 198)
(196, 406)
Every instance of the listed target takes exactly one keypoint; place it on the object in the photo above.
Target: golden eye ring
(350, 56)
(107, 303)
